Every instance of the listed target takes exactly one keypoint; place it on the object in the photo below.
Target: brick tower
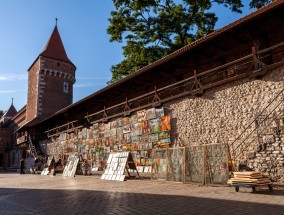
(50, 80)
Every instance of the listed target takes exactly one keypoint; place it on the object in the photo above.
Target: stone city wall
(221, 113)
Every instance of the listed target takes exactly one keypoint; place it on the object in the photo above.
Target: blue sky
(26, 26)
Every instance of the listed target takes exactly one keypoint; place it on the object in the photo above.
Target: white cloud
(11, 91)
(82, 85)
(7, 77)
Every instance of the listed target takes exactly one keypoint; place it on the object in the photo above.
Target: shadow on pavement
(40, 201)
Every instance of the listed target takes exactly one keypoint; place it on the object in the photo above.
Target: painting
(107, 126)
(160, 112)
(165, 123)
(141, 115)
(125, 121)
(145, 126)
(96, 126)
(151, 113)
(119, 138)
(154, 125)
(143, 139)
(112, 140)
(126, 129)
(164, 135)
(101, 126)
(133, 118)
(101, 134)
(135, 139)
(113, 124)
(153, 137)
(119, 122)
(112, 132)
(127, 138)
(136, 129)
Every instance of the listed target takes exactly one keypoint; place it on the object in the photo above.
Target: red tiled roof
(54, 47)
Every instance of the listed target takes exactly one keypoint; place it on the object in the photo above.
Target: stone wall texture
(222, 113)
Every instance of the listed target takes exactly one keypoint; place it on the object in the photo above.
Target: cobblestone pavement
(36, 194)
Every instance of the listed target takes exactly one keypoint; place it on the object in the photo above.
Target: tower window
(65, 87)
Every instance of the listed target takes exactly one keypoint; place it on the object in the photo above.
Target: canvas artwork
(160, 112)
(145, 125)
(107, 133)
(90, 134)
(151, 113)
(119, 122)
(167, 141)
(164, 134)
(112, 132)
(136, 129)
(112, 140)
(143, 139)
(80, 135)
(165, 123)
(113, 124)
(142, 146)
(141, 115)
(153, 137)
(107, 126)
(126, 129)
(127, 138)
(95, 133)
(142, 161)
(144, 154)
(154, 125)
(125, 121)
(135, 139)
(96, 126)
(119, 130)
(119, 138)
(101, 126)
(133, 118)
(101, 134)
(149, 145)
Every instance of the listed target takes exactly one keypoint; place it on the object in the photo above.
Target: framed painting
(145, 125)
(141, 115)
(165, 123)
(151, 113)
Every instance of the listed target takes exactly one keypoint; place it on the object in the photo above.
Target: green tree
(1, 113)
(152, 29)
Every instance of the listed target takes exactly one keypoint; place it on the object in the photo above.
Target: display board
(71, 166)
(117, 164)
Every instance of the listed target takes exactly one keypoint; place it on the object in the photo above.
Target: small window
(65, 87)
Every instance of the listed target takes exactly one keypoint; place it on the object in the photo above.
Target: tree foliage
(152, 29)
(1, 113)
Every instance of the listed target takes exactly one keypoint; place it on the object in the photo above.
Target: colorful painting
(160, 112)
(141, 115)
(136, 129)
(125, 121)
(149, 145)
(167, 141)
(126, 129)
(127, 138)
(112, 132)
(95, 133)
(145, 125)
(165, 123)
(107, 126)
(164, 135)
(101, 126)
(119, 130)
(133, 118)
(118, 122)
(151, 113)
(142, 146)
(96, 126)
(113, 124)
(153, 137)
(135, 139)
(101, 134)
(112, 140)
(143, 139)
(119, 138)
(154, 125)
